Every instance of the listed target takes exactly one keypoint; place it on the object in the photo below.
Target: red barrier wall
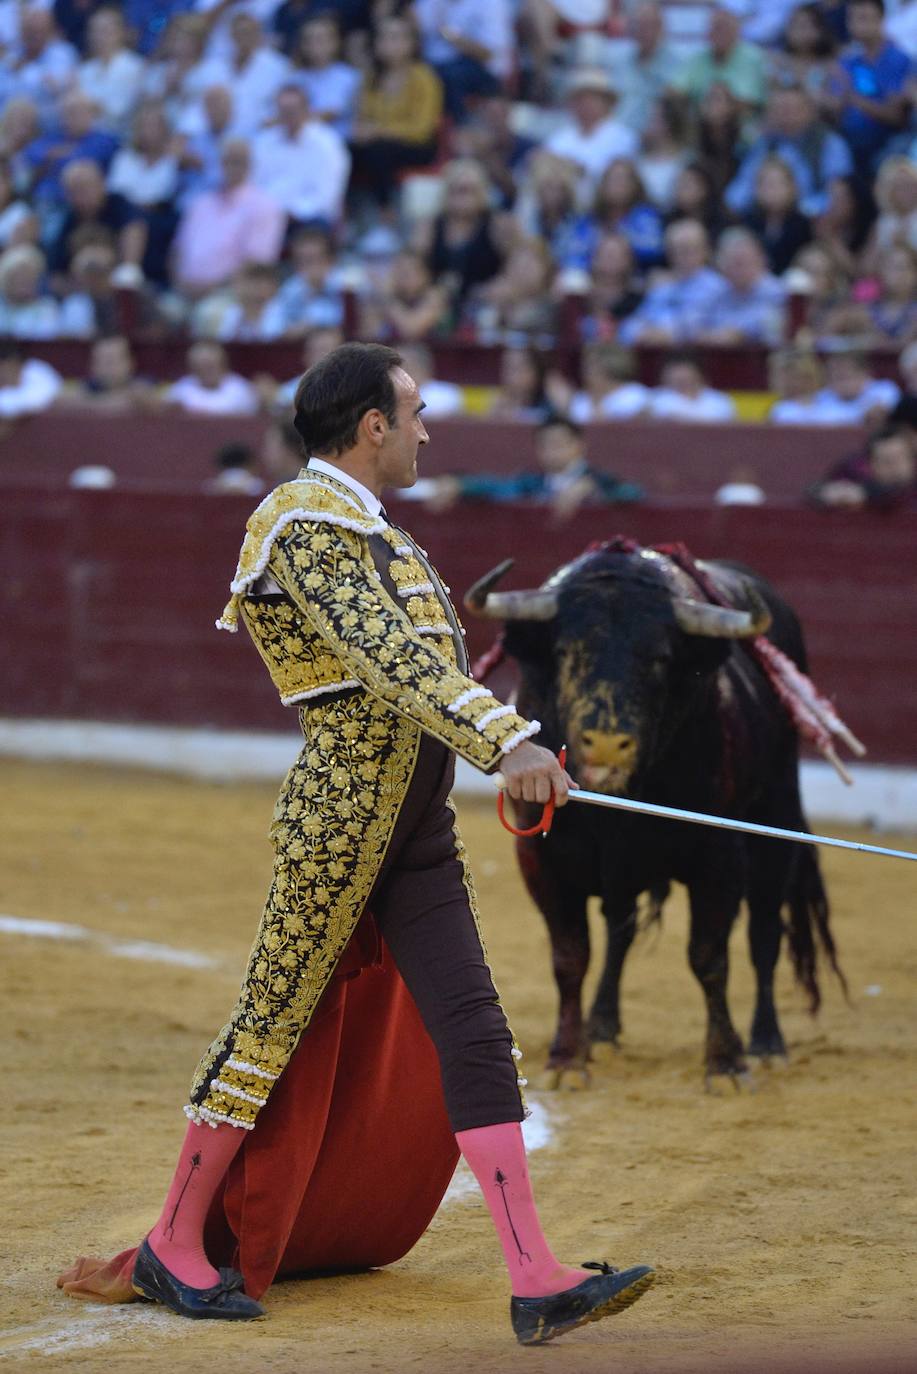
(671, 461)
(108, 599)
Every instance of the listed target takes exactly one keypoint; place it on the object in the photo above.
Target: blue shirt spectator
(869, 92)
(749, 306)
(812, 151)
(148, 20)
(77, 140)
(676, 308)
(311, 297)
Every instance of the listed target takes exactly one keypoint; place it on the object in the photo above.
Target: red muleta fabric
(352, 1152)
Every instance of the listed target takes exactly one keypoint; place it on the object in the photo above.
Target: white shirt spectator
(879, 392)
(11, 218)
(142, 182)
(442, 399)
(593, 151)
(332, 90)
(44, 77)
(306, 174)
(811, 410)
(254, 88)
(34, 319)
(115, 86)
(219, 43)
(488, 22)
(37, 387)
(625, 402)
(232, 396)
(227, 321)
(707, 405)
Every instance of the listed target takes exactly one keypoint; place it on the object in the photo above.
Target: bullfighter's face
(403, 440)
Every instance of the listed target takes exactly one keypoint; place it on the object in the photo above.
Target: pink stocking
(177, 1239)
(496, 1155)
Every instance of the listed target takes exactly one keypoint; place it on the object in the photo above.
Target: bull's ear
(529, 641)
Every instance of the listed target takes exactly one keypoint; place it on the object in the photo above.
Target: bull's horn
(721, 622)
(527, 605)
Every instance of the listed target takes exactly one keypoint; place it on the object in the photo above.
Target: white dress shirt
(254, 88)
(307, 174)
(708, 405)
(367, 498)
(488, 22)
(37, 387)
(233, 396)
(593, 151)
(115, 86)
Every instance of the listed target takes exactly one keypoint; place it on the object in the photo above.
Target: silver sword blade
(672, 813)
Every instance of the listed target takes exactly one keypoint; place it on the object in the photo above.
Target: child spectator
(887, 481)
(441, 399)
(609, 391)
(251, 313)
(522, 386)
(775, 218)
(237, 472)
(614, 290)
(27, 385)
(409, 304)
(332, 86)
(853, 393)
(209, 387)
(684, 394)
(312, 294)
(749, 306)
(675, 308)
(112, 75)
(399, 111)
(27, 310)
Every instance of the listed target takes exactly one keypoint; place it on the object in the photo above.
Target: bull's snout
(608, 759)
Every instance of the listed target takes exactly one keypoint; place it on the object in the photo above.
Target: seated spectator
(281, 454)
(222, 230)
(621, 207)
(695, 197)
(89, 302)
(856, 396)
(842, 227)
(408, 305)
(890, 318)
(94, 212)
(489, 138)
(805, 54)
(301, 162)
(896, 197)
(112, 385)
(77, 140)
(27, 310)
(719, 135)
(331, 86)
(209, 388)
(563, 478)
(288, 18)
(522, 386)
(614, 290)
(441, 399)
(775, 218)
(469, 44)
(179, 73)
(815, 274)
(907, 367)
(18, 221)
(663, 152)
(675, 308)
(255, 73)
(248, 313)
(794, 133)
(312, 294)
(547, 209)
(642, 69)
(318, 343)
(27, 385)
(684, 394)
(460, 244)
(749, 307)
(202, 131)
(40, 66)
(519, 299)
(399, 112)
(112, 75)
(146, 175)
(237, 472)
(591, 136)
(19, 129)
(868, 93)
(609, 391)
(726, 60)
(796, 376)
(887, 481)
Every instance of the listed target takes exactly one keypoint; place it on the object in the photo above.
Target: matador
(358, 633)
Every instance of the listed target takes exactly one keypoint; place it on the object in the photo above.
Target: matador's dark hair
(335, 394)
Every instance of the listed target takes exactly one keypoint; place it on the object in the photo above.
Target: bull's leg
(605, 1018)
(564, 912)
(770, 864)
(713, 910)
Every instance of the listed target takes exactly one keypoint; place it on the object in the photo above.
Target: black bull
(655, 696)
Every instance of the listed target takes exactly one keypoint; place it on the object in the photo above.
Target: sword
(674, 813)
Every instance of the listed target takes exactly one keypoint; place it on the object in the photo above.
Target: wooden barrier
(108, 599)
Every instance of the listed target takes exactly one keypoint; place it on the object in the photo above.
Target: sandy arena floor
(782, 1221)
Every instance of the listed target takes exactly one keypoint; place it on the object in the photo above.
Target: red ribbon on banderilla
(674, 813)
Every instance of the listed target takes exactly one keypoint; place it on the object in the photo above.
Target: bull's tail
(809, 927)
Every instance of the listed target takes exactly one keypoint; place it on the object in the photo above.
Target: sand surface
(782, 1220)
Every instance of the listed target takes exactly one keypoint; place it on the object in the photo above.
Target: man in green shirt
(728, 60)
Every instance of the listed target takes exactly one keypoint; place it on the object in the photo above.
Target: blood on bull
(651, 688)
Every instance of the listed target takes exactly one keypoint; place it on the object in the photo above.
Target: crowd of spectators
(501, 171)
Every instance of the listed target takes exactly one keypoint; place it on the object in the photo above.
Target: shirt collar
(371, 502)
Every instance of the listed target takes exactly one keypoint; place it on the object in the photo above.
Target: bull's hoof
(767, 1044)
(570, 1078)
(603, 1030)
(720, 1081)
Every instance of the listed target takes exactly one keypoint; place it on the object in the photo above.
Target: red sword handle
(547, 815)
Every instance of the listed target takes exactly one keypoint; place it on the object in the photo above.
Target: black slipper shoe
(536, 1320)
(225, 1300)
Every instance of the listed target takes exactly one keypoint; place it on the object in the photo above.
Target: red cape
(352, 1152)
